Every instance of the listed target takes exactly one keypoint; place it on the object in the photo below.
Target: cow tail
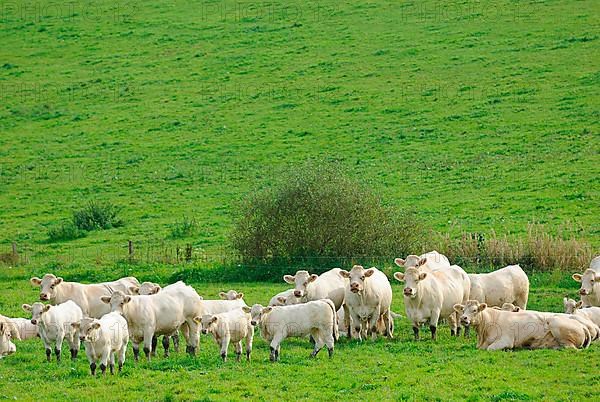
(588, 338)
(335, 330)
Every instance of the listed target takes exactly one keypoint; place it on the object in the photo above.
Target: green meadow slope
(480, 115)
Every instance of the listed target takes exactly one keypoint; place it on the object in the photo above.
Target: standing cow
(590, 284)
(506, 285)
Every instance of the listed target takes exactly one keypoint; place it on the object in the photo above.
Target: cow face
(588, 280)
(411, 279)
(412, 261)
(7, 347)
(301, 281)
(36, 310)
(87, 328)
(571, 305)
(146, 288)
(510, 307)
(117, 301)
(257, 312)
(231, 295)
(357, 276)
(48, 285)
(207, 323)
(470, 312)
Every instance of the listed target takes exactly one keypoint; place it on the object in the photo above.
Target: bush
(320, 216)
(184, 228)
(65, 231)
(97, 215)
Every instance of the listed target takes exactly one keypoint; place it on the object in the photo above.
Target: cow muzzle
(583, 292)
(354, 287)
(465, 320)
(82, 338)
(44, 296)
(298, 293)
(34, 322)
(253, 322)
(205, 331)
(408, 292)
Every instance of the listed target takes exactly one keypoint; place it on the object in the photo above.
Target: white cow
(315, 318)
(590, 284)
(506, 285)
(87, 297)
(329, 285)
(429, 296)
(369, 298)
(431, 261)
(26, 329)
(576, 308)
(285, 298)
(231, 295)
(233, 326)
(8, 332)
(54, 325)
(103, 339)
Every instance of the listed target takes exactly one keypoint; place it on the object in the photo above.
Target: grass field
(400, 369)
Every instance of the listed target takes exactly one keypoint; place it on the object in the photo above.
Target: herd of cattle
(355, 303)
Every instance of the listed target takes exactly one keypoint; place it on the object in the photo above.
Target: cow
(315, 318)
(231, 295)
(232, 326)
(497, 329)
(432, 261)
(590, 284)
(56, 291)
(54, 325)
(431, 295)
(576, 308)
(369, 298)
(26, 329)
(8, 333)
(285, 298)
(103, 339)
(506, 285)
(329, 285)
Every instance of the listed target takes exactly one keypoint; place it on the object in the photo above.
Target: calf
(232, 326)
(576, 308)
(285, 298)
(103, 339)
(315, 318)
(8, 332)
(429, 296)
(506, 285)
(54, 326)
(26, 329)
(369, 297)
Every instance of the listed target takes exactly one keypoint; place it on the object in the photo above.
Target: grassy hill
(480, 115)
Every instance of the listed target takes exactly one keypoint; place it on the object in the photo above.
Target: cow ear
(26, 307)
(422, 261)
(482, 307)
(399, 276)
(156, 289)
(47, 307)
(75, 325)
(313, 278)
(576, 277)
(267, 310)
(399, 262)
(369, 272)
(281, 299)
(35, 281)
(105, 299)
(579, 304)
(246, 309)
(422, 275)
(289, 279)
(459, 308)
(213, 319)
(240, 295)
(2, 328)
(344, 273)
(96, 325)
(197, 319)
(134, 290)
(58, 281)
(565, 301)
(223, 295)
(126, 299)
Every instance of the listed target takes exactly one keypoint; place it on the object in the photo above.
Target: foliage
(66, 230)
(186, 227)
(97, 215)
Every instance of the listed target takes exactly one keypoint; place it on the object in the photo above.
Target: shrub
(97, 215)
(318, 215)
(65, 231)
(184, 228)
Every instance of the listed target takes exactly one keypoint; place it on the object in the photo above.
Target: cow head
(411, 278)
(357, 276)
(571, 305)
(469, 313)
(48, 285)
(231, 295)
(510, 307)
(588, 280)
(117, 301)
(207, 322)
(146, 288)
(87, 328)
(36, 310)
(257, 312)
(411, 261)
(301, 281)
(7, 332)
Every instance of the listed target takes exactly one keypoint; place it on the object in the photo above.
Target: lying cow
(590, 284)
(26, 329)
(87, 297)
(54, 326)
(103, 339)
(576, 308)
(506, 285)
(8, 332)
(429, 296)
(498, 329)
(369, 298)
(315, 318)
(285, 298)
(231, 295)
(233, 326)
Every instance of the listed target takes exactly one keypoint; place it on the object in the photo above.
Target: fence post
(130, 250)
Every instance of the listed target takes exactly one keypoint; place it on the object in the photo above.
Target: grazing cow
(54, 325)
(429, 296)
(232, 326)
(87, 297)
(432, 261)
(103, 339)
(369, 298)
(329, 285)
(285, 298)
(26, 329)
(149, 315)
(506, 285)
(8, 332)
(590, 284)
(315, 318)
(497, 329)
(576, 308)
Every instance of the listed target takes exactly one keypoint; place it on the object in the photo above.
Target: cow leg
(224, 346)
(249, 339)
(166, 342)
(48, 354)
(454, 327)
(111, 363)
(122, 353)
(389, 324)
(433, 329)
(57, 353)
(191, 332)
(467, 331)
(104, 361)
(136, 352)
(93, 368)
(238, 351)
(433, 322)
(347, 322)
(154, 343)
(175, 338)
(275, 342)
(373, 323)
(330, 343)
(148, 341)
(416, 331)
